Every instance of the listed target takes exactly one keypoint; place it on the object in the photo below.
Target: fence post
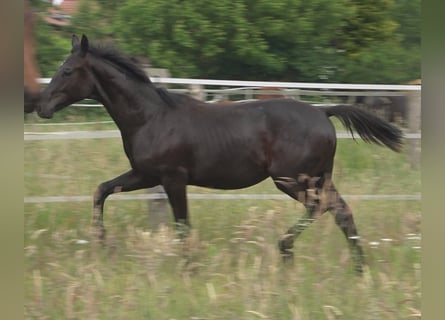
(197, 92)
(414, 126)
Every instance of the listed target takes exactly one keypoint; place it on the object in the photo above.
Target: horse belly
(227, 183)
(228, 175)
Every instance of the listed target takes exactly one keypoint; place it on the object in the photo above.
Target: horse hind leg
(305, 190)
(345, 221)
(318, 196)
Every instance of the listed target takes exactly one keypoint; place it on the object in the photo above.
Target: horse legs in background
(318, 196)
(128, 181)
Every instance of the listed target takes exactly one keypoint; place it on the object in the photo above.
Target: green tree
(94, 18)
(234, 39)
(185, 37)
(51, 48)
(292, 40)
(408, 16)
(371, 22)
(394, 56)
(381, 63)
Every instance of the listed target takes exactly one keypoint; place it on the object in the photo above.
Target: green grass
(229, 267)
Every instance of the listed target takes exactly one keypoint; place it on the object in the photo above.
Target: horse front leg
(128, 181)
(175, 185)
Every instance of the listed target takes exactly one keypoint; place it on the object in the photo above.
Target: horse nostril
(45, 114)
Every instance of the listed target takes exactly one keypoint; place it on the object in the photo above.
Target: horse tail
(370, 127)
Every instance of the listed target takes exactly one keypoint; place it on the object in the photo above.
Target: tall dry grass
(235, 272)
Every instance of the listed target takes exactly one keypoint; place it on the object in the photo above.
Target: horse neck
(129, 102)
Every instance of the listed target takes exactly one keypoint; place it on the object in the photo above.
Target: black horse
(174, 140)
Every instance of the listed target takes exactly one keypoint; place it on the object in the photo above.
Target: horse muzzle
(46, 113)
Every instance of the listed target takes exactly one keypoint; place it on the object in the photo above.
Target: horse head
(72, 82)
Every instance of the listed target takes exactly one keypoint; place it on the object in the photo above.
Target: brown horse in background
(270, 93)
(30, 69)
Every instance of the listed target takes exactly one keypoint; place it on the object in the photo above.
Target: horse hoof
(99, 234)
(182, 230)
(287, 256)
(359, 271)
(286, 243)
(102, 235)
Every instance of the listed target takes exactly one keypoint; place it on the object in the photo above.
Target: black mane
(174, 99)
(123, 62)
(128, 65)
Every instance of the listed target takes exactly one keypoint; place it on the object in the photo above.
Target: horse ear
(84, 45)
(74, 40)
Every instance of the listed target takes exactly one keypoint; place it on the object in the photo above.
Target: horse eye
(67, 71)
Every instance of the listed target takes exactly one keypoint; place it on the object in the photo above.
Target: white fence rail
(244, 87)
(205, 88)
(104, 134)
(216, 196)
(281, 84)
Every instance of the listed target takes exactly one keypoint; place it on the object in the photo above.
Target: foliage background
(370, 41)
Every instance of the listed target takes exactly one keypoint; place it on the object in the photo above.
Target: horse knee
(99, 191)
(102, 191)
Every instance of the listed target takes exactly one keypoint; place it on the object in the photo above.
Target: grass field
(229, 267)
